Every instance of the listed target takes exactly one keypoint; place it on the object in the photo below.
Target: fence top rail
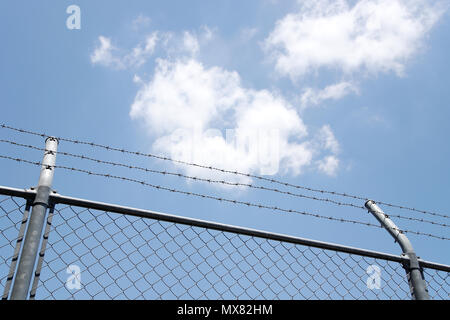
(56, 198)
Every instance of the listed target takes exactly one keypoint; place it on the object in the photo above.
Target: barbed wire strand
(220, 199)
(223, 182)
(275, 181)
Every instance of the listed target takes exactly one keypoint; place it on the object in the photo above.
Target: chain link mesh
(438, 283)
(11, 215)
(126, 257)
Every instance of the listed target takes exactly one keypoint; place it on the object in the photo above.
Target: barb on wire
(165, 172)
(235, 172)
(221, 199)
(237, 184)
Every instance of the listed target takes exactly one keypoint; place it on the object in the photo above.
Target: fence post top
(52, 139)
(369, 202)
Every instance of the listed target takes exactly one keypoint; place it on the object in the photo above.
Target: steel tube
(61, 199)
(33, 236)
(417, 283)
(19, 242)
(107, 207)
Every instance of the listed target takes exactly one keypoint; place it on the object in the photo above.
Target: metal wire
(127, 257)
(200, 195)
(123, 257)
(439, 285)
(13, 218)
(221, 199)
(223, 182)
(275, 181)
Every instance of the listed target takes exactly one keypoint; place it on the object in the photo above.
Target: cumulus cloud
(190, 43)
(328, 149)
(328, 140)
(184, 95)
(207, 34)
(311, 97)
(139, 54)
(189, 107)
(105, 54)
(205, 115)
(371, 36)
(141, 21)
(328, 165)
(186, 43)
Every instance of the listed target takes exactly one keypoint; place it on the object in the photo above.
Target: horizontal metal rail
(60, 199)
(21, 193)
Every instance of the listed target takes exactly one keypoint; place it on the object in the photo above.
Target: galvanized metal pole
(416, 281)
(33, 236)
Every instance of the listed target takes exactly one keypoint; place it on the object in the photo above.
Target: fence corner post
(24, 273)
(414, 273)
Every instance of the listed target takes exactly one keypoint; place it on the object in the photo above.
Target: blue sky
(359, 111)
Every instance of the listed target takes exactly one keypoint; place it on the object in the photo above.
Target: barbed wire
(237, 184)
(235, 172)
(220, 199)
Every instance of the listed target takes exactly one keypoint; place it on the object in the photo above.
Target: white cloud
(185, 95)
(328, 147)
(190, 43)
(332, 92)
(207, 33)
(328, 140)
(329, 165)
(372, 36)
(139, 54)
(173, 44)
(205, 115)
(140, 22)
(105, 54)
(184, 100)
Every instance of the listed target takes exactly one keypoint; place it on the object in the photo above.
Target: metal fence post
(33, 237)
(416, 280)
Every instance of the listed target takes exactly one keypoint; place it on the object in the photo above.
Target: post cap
(52, 138)
(367, 202)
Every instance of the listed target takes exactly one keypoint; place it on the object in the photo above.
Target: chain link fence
(13, 217)
(96, 254)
